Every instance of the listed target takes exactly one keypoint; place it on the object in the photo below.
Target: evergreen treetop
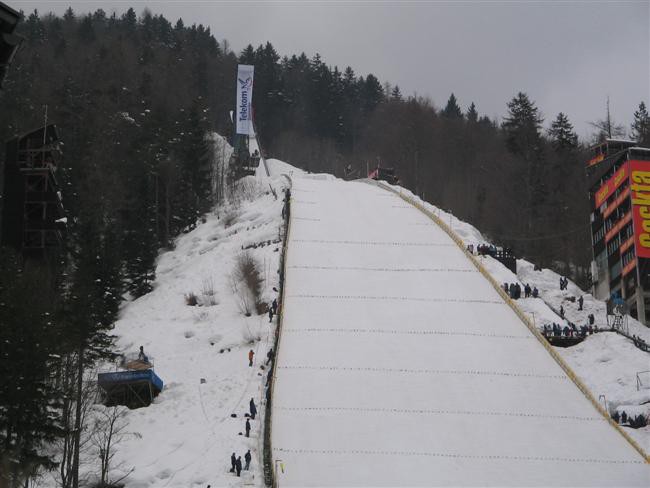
(452, 109)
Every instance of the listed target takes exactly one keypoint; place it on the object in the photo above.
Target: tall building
(33, 217)
(619, 191)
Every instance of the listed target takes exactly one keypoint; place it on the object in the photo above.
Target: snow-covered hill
(400, 365)
(185, 438)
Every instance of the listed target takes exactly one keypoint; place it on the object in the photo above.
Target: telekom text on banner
(640, 186)
(244, 99)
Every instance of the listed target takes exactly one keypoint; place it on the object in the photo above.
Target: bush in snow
(246, 189)
(208, 296)
(246, 283)
(230, 217)
(191, 299)
(250, 337)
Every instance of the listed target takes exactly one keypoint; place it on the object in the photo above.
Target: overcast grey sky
(568, 56)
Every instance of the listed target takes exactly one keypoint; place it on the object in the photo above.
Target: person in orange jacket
(250, 358)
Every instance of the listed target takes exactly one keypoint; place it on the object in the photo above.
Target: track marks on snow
(409, 411)
(486, 457)
(387, 270)
(397, 298)
(373, 243)
(458, 372)
(406, 332)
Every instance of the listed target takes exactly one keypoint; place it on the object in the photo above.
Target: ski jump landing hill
(400, 364)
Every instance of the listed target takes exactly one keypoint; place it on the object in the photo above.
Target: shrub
(208, 296)
(246, 282)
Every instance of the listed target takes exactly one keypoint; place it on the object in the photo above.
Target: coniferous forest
(134, 98)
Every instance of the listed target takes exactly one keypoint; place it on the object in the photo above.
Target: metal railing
(270, 478)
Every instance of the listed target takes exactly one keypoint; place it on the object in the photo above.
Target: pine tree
(522, 127)
(562, 135)
(396, 94)
(641, 126)
(472, 114)
(29, 399)
(371, 93)
(247, 56)
(452, 110)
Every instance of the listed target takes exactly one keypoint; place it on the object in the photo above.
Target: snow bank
(185, 438)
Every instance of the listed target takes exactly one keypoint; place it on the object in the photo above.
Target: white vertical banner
(244, 99)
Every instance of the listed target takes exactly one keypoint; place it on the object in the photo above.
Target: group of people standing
(564, 282)
(569, 330)
(236, 465)
(514, 291)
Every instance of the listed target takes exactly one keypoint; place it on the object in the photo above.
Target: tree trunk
(77, 420)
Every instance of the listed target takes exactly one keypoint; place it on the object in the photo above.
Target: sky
(568, 56)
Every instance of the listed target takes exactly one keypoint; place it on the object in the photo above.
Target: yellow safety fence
(269, 460)
(558, 359)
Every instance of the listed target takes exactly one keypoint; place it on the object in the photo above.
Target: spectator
(591, 318)
(238, 466)
(233, 462)
(580, 302)
(561, 311)
(142, 356)
(253, 409)
(269, 356)
(251, 354)
(247, 458)
(535, 292)
(248, 428)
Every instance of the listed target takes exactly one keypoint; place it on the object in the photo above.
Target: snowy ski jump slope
(400, 365)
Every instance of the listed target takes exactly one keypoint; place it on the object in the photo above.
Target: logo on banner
(244, 86)
(641, 206)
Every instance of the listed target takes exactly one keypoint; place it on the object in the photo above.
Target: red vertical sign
(640, 187)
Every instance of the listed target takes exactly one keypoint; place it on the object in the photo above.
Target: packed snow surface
(185, 438)
(400, 365)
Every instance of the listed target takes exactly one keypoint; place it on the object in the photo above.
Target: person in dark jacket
(233, 462)
(561, 311)
(248, 428)
(253, 409)
(270, 315)
(238, 466)
(269, 356)
(591, 318)
(247, 458)
(535, 292)
(274, 306)
(580, 302)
